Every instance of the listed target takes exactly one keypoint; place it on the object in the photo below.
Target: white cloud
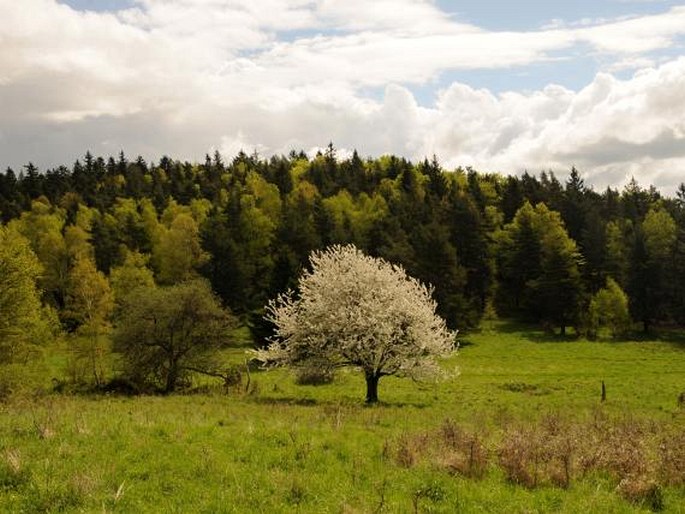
(184, 77)
(636, 35)
(611, 128)
(630, 63)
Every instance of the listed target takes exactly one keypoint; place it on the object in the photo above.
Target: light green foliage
(89, 296)
(257, 231)
(89, 305)
(148, 214)
(493, 217)
(77, 242)
(163, 334)
(266, 195)
(257, 228)
(42, 226)
(149, 219)
(172, 211)
(303, 193)
(131, 275)
(85, 216)
(353, 218)
(125, 209)
(299, 169)
(177, 252)
(199, 209)
(23, 321)
(660, 234)
(617, 251)
(609, 308)
(138, 229)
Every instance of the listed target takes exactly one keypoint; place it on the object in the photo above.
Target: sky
(501, 86)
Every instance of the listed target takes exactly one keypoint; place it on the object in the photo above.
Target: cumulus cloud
(186, 77)
(613, 129)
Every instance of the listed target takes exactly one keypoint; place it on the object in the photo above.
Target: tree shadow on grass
(306, 402)
(673, 337)
(535, 333)
(532, 332)
(343, 402)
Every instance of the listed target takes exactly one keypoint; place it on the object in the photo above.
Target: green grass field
(283, 447)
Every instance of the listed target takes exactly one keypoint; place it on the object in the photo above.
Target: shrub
(464, 452)
(164, 334)
(641, 491)
(618, 447)
(542, 454)
(609, 308)
(672, 458)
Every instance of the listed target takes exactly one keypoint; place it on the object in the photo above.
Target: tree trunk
(372, 379)
(171, 378)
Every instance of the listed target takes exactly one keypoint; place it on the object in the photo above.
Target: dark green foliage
(263, 217)
(164, 334)
(540, 268)
(439, 265)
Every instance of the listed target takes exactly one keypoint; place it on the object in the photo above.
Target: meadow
(518, 426)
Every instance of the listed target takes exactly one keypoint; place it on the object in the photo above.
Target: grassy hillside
(462, 445)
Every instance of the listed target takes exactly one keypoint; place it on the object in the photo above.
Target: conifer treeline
(530, 247)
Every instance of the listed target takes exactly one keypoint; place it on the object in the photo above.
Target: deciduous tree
(22, 319)
(89, 306)
(166, 333)
(356, 310)
(609, 308)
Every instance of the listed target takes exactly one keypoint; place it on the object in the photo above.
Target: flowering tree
(356, 310)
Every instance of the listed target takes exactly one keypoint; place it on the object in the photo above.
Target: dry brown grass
(543, 453)
(640, 456)
(642, 491)
(672, 458)
(464, 452)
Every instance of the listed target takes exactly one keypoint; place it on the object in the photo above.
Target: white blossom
(356, 310)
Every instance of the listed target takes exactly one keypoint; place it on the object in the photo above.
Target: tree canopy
(351, 309)
(248, 225)
(23, 322)
(165, 333)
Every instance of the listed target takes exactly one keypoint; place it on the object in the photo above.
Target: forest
(122, 279)
(528, 247)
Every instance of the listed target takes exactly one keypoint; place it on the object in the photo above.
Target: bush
(672, 458)
(643, 492)
(164, 334)
(464, 452)
(609, 308)
(537, 455)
